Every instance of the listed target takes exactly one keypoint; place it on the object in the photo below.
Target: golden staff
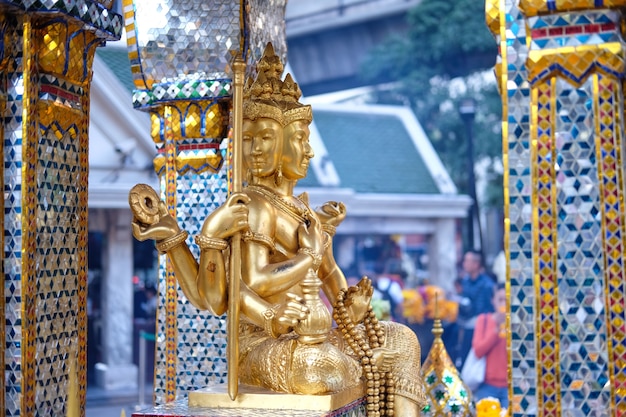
(239, 70)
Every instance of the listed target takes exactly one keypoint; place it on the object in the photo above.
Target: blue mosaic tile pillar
(46, 58)
(560, 72)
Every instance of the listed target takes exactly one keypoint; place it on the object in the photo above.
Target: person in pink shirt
(490, 341)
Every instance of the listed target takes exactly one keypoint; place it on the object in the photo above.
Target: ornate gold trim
(317, 258)
(171, 242)
(536, 7)
(545, 246)
(567, 61)
(29, 227)
(171, 286)
(206, 242)
(614, 276)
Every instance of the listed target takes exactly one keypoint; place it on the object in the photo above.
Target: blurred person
(149, 305)
(490, 341)
(475, 299)
(139, 298)
(454, 332)
(388, 287)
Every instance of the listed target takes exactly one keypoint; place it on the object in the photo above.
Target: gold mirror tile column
(181, 53)
(560, 72)
(47, 57)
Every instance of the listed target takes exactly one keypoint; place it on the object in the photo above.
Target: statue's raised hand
(310, 236)
(358, 300)
(151, 220)
(383, 358)
(288, 314)
(229, 218)
(331, 212)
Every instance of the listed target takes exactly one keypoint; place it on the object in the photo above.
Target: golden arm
(267, 279)
(208, 291)
(332, 277)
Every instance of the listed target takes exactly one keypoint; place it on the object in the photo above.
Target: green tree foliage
(445, 57)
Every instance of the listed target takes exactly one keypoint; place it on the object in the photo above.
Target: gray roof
(373, 153)
(373, 149)
(117, 60)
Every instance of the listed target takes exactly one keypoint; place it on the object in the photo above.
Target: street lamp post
(467, 110)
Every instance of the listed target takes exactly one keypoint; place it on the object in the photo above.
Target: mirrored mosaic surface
(200, 339)
(182, 50)
(45, 212)
(563, 148)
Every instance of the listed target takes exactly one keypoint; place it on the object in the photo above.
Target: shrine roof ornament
(96, 15)
(183, 49)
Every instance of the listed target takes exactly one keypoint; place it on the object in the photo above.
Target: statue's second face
(297, 151)
(262, 142)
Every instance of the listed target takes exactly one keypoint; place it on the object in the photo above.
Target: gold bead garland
(380, 385)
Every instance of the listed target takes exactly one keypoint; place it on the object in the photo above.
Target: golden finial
(446, 394)
(437, 327)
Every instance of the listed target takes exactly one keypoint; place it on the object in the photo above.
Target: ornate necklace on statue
(380, 385)
(299, 212)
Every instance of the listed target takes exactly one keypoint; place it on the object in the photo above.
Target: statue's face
(297, 151)
(262, 142)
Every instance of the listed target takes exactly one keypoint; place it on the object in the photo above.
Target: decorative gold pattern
(317, 258)
(29, 237)
(608, 150)
(171, 336)
(206, 242)
(170, 243)
(544, 198)
(493, 17)
(536, 7)
(564, 228)
(298, 212)
(496, 12)
(542, 64)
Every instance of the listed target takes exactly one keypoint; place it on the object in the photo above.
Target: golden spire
(269, 96)
(446, 394)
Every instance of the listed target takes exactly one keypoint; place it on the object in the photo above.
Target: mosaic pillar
(561, 72)
(180, 53)
(46, 59)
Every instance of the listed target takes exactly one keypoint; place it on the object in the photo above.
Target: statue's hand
(289, 313)
(229, 218)
(383, 358)
(164, 227)
(358, 300)
(331, 212)
(311, 236)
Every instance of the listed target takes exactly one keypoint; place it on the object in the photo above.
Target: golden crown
(269, 96)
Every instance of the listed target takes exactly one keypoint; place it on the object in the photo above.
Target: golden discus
(144, 202)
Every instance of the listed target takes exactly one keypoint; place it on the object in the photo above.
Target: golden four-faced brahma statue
(286, 342)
